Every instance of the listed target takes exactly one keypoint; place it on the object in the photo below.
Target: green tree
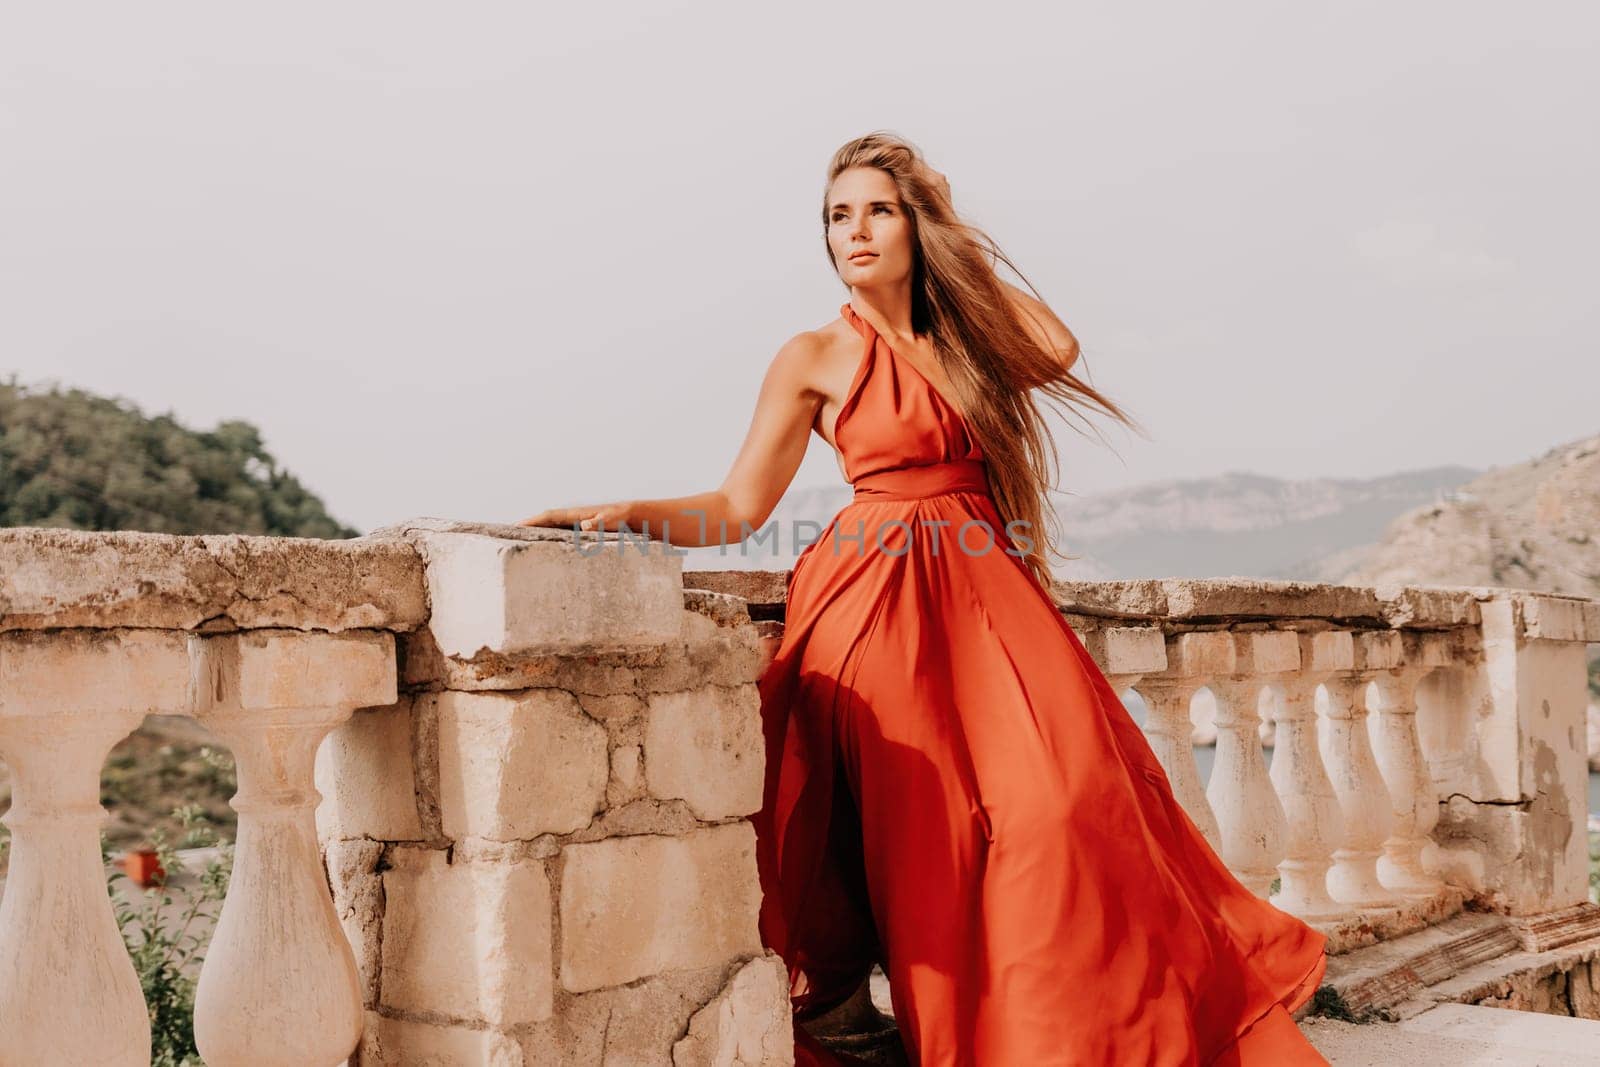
(69, 458)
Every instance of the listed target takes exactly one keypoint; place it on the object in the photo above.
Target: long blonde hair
(991, 361)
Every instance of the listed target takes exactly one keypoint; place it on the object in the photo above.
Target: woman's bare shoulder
(813, 354)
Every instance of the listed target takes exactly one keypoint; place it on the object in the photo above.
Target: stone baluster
(1249, 814)
(1137, 657)
(279, 986)
(1249, 817)
(1311, 807)
(1398, 749)
(1169, 728)
(1363, 797)
(66, 698)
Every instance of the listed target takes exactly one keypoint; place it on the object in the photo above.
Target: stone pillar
(545, 853)
(67, 697)
(1311, 807)
(1528, 806)
(279, 986)
(1249, 813)
(1358, 784)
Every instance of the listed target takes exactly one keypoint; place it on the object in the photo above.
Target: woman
(953, 789)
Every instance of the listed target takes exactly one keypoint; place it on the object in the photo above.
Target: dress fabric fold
(954, 791)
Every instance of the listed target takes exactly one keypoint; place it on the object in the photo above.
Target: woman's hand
(587, 517)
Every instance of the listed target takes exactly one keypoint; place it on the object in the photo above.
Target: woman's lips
(863, 257)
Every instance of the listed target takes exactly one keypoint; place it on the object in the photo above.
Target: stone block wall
(541, 852)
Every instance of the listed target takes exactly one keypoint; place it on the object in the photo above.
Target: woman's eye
(881, 207)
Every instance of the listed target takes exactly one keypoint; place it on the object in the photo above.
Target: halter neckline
(856, 319)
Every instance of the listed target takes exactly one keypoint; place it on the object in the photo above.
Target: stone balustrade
(1428, 748)
(494, 788)
(493, 795)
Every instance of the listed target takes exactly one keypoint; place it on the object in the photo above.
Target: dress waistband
(931, 479)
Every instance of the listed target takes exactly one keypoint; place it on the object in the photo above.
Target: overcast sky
(474, 260)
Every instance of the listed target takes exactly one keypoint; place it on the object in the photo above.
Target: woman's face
(867, 221)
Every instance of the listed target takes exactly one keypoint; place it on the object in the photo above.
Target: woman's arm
(1037, 318)
(1046, 328)
(773, 447)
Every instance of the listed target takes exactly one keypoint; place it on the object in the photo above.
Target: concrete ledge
(54, 579)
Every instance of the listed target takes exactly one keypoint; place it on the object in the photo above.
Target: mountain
(1533, 525)
(1237, 524)
(1234, 524)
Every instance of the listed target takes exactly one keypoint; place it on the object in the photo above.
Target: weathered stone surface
(1203, 655)
(642, 816)
(1371, 926)
(75, 578)
(469, 941)
(517, 589)
(1553, 618)
(1236, 598)
(1134, 599)
(1428, 606)
(426, 667)
(93, 672)
(614, 708)
(720, 609)
(749, 1024)
(637, 906)
(1268, 652)
(391, 1042)
(365, 774)
(716, 644)
(626, 780)
(1531, 771)
(1385, 973)
(1562, 926)
(1521, 981)
(760, 589)
(516, 766)
(705, 747)
(1127, 650)
(1181, 602)
(258, 670)
(358, 900)
(632, 1024)
(1583, 989)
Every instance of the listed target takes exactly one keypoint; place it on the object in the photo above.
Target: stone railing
(535, 769)
(494, 790)
(1428, 754)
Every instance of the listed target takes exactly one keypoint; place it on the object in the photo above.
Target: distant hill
(69, 458)
(1533, 525)
(1240, 524)
(1234, 524)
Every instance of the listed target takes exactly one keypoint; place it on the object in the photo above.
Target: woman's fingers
(588, 517)
(558, 517)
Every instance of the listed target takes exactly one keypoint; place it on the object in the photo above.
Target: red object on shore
(143, 867)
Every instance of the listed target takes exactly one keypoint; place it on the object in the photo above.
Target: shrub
(158, 925)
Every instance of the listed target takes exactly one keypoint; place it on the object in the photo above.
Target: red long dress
(955, 791)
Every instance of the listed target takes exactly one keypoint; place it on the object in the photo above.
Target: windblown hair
(990, 359)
